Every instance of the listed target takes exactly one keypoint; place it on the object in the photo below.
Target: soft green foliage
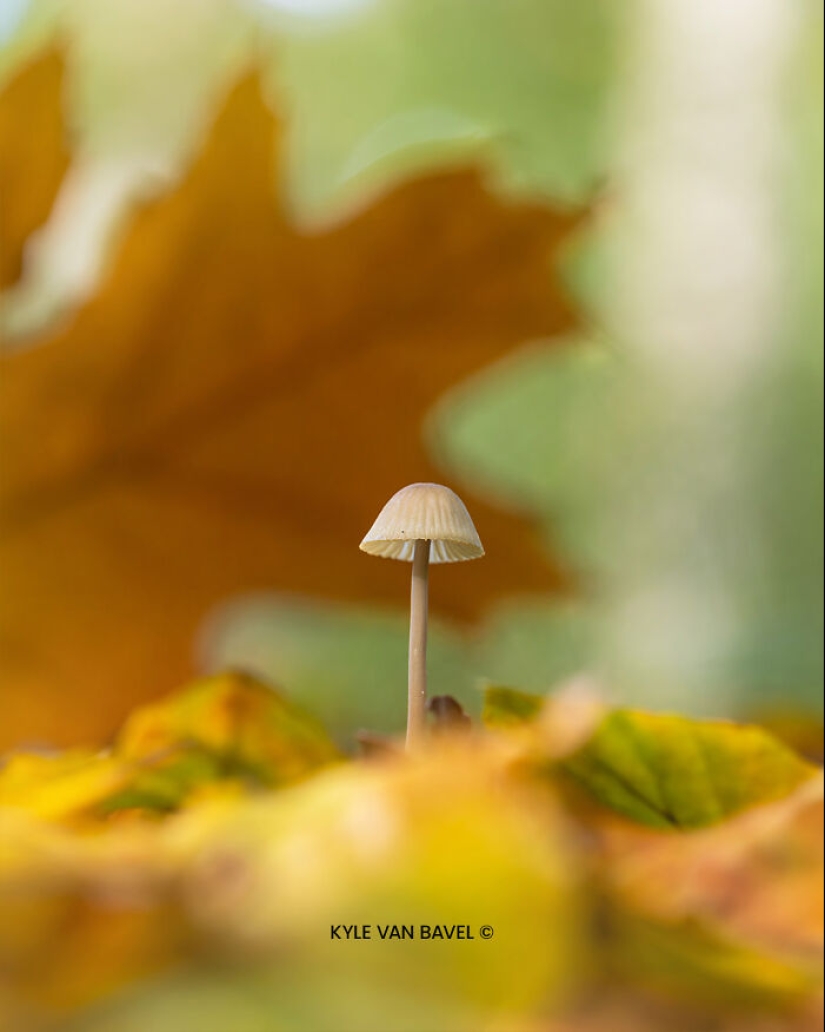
(535, 644)
(526, 429)
(693, 516)
(319, 651)
(347, 665)
(522, 85)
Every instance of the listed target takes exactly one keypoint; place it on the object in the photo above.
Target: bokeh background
(266, 261)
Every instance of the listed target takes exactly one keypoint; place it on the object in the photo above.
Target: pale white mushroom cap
(424, 512)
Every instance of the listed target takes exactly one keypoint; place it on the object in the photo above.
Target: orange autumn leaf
(63, 951)
(757, 877)
(230, 410)
(33, 158)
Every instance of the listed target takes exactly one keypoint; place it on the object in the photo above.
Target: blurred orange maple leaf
(232, 408)
(33, 158)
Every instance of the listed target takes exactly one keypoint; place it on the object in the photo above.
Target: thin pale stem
(417, 689)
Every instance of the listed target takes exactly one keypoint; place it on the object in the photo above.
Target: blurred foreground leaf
(221, 730)
(231, 893)
(756, 878)
(61, 785)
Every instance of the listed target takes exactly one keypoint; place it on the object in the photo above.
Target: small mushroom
(422, 524)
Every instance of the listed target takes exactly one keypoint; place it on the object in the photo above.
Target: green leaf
(670, 772)
(163, 783)
(504, 707)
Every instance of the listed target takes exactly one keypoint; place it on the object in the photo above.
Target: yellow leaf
(61, 785)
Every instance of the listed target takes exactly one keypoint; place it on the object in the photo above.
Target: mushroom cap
(424, 512)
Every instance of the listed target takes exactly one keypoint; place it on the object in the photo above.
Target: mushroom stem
(417, 685)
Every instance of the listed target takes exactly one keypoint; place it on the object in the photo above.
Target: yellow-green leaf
(163, 782)
(669, 771)
(505, 707)
(245, 725)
